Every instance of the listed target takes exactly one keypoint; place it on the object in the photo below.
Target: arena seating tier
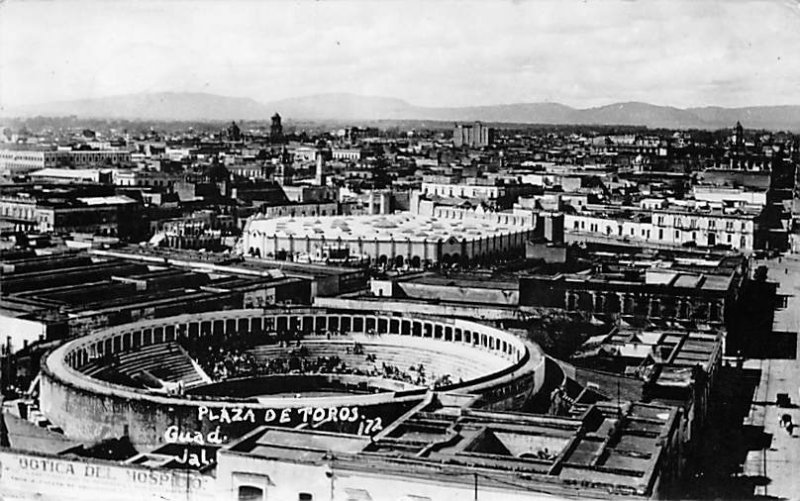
(164, 361)
(436, 363)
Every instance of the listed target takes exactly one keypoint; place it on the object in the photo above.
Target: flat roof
(676, 351)
(460, 281)
(395, 226)
(535, 451)
(112, 200)
(275, 439)
(27, 436)
(67, 173)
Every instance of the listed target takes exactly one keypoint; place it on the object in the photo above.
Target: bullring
(106, 384)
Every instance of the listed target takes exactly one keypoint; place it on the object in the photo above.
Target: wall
(284, 480)
(89, 416)
(666, 228)
(508, 296)
(549, 253)
(740, 178)
(626, 298)
(482, 313)
(32, 476)
(423, 249)
(89, 409)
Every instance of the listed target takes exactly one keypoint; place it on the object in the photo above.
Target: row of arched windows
(125, 338)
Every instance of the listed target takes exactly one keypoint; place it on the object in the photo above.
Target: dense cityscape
(638, 270)
(399, 251)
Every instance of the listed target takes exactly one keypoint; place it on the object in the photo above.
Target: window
(712, 223)
(250, 493)
(305, 496)
(356, 494)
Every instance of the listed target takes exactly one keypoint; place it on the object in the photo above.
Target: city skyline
(678, 54)
(399, 251)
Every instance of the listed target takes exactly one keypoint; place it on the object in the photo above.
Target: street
(778, 465)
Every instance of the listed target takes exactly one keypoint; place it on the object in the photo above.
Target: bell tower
(283, 173)
(276, 129)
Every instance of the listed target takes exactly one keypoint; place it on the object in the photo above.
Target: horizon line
(4, 107)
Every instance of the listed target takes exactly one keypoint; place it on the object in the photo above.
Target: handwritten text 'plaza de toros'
(314, 416)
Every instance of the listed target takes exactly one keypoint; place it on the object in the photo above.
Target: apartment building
(739, 228)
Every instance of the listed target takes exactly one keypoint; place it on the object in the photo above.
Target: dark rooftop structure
(671, 367)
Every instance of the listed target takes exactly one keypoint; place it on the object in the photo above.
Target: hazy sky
(435, 53)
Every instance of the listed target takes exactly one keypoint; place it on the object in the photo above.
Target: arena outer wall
(89, 409)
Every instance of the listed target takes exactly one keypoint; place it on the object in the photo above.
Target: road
(778, 465)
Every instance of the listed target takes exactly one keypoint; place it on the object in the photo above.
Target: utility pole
(331, 474)
(476, 485)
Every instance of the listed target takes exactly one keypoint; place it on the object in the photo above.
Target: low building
(51, 175)
(493, 193)
(307, 193)
(735, 228)
(298, 209)
(387, 240)
(145, 178)
(85, 158)
(459, 289)
(15, 162)
(669, 367)
(730, 196)
(696, 291)
(62, 213)
(351, 154)
(738, 228)
(607, 452)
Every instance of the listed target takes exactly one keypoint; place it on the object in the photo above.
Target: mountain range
(182, 106)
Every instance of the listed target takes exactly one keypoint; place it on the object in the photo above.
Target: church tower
(738, 137)
(276, 129)
(283, 173)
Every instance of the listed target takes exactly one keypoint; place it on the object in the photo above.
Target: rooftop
(399, 227)
(676, 352)
(526, 451)
(67, 173)
(460, 280)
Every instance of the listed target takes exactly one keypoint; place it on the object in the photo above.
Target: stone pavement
(778, 466)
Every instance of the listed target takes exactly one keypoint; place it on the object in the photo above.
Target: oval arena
(207, 378)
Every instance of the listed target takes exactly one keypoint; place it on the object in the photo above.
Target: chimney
(319, 179)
